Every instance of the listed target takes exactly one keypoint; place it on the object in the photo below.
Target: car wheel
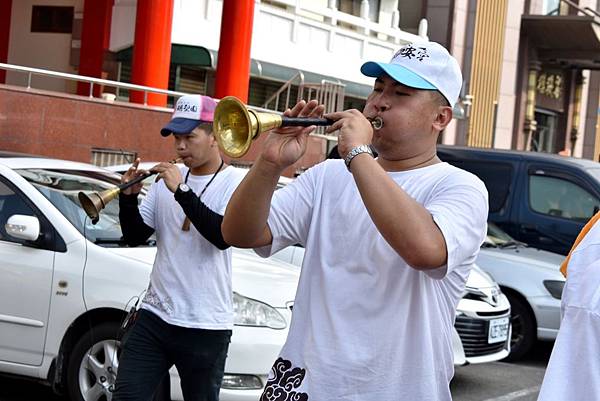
(93, 364)
(523, 328)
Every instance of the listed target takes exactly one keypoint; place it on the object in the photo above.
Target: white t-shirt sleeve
(459, 207)
(290, 214)
(148, 206)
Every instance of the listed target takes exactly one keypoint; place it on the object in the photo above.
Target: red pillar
(95, 38)
(233, 66)
(152, 49)
(5, 13)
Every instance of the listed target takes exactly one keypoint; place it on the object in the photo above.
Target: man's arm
(245, 221)
(135, 231)
(405, 224)
(207, 222)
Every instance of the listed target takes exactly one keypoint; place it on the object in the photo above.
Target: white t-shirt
(573, 371)
(190, 284)
(365, 325)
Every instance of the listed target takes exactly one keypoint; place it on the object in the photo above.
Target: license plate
(498, 330)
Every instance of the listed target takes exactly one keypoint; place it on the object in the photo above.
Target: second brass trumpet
(94, 202)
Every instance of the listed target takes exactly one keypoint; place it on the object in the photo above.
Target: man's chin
(190, 163)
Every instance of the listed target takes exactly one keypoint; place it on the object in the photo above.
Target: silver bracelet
(355, 151)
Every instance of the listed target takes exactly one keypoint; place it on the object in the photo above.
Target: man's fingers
(297, 109)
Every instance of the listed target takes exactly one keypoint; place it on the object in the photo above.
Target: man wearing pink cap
(390, 240)
(186, 315)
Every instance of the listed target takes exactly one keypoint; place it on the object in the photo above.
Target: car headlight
(250, 312)
(241, 382)
(555, 288)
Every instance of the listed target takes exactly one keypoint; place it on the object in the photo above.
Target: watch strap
(355, 151)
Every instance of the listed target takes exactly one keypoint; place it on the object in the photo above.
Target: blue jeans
(153, 346)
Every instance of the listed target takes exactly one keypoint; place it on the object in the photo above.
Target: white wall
(49, 51)
(123, 24)
(280, 36)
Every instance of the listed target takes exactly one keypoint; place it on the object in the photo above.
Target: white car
(122, 168)
(66, 285)
(531, 280)
(482, 326)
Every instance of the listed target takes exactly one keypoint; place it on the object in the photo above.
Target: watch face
(184, 187)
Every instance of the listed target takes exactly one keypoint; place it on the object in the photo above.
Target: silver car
(531, 280)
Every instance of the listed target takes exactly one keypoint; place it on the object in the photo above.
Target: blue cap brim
(180, 126)
(398, 73)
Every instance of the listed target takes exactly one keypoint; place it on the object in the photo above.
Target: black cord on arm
(135, 231)
(207, 222)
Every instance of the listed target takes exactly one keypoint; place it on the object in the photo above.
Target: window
(561, 198)
(50, 19)
(496, 177)
(110, 157)
(11, 203)
(353, 7)
(61, 188)
(550, 7)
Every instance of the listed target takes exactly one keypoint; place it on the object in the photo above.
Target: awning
(200, 56)
(263, 69)
(571, 41)
(180, 54)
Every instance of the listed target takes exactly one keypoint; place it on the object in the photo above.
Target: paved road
(498, 381)
(501, 381)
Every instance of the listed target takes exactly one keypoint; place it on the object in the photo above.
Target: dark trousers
(152, 347)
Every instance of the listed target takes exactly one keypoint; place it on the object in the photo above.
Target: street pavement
(497, 381)
(502, 381)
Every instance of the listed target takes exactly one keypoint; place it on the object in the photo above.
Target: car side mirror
(23, 227)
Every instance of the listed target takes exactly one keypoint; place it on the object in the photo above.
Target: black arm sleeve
(135, 231)
(207, 222)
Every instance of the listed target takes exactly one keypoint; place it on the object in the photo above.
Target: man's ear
(212, 140)
(442, 118)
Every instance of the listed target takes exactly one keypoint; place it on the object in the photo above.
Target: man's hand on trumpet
(170, 173)
(129, 175)
(354, 130)
(284, 146)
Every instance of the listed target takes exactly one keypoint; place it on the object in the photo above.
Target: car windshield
(61, 188)
(496, 237)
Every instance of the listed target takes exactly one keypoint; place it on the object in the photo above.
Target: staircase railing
(273, 103)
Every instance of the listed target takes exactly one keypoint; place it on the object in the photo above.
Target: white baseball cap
(190, 112)
(422, 65)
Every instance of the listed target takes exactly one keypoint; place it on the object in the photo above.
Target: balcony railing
(30, 72)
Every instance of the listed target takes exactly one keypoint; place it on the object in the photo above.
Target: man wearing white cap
(186, 315)
(389, 241)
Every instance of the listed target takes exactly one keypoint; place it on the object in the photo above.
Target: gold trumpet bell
(235, 126)
(94, 202)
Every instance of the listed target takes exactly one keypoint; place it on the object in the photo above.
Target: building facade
(529, 66)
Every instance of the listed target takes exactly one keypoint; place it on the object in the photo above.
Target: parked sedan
(531, 280)
(66, 284)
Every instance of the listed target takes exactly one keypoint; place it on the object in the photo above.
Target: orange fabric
(582, 234)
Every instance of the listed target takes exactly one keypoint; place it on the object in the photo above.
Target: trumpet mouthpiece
(376, 122)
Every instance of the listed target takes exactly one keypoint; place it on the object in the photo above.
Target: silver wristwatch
(357, 150)
(183, 187)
